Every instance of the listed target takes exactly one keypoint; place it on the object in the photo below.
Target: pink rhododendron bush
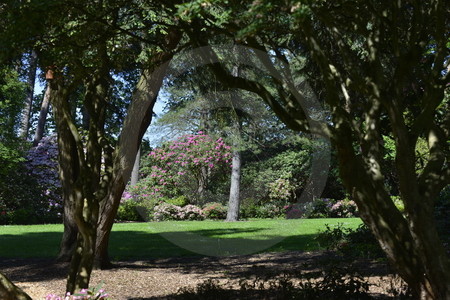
(183, 167)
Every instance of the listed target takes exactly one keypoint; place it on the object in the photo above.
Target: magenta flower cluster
(184, 160)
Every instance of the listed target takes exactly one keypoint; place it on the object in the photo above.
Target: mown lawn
(181, 238)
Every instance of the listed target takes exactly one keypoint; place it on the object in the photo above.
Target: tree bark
(234, 201)
(135, 173)
(31, 79)
(9, 291)
(139, 116)
(69, 238)
(42, 117)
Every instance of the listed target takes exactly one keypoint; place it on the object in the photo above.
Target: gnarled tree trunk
(9, 291)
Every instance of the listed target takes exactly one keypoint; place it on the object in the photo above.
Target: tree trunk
(31, 79)
(9, 291)
(411, 245)
(42, 117)
(135, 173)
(234, 201)
(139, 116)
(69, 238)
(86, 216)
(68, 170)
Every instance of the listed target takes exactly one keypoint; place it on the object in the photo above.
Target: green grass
(174, 239)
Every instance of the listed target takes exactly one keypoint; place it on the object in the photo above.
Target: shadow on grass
(30, 256)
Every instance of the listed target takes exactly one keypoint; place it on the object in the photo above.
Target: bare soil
(160, 278)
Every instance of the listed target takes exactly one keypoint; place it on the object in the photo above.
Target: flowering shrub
(344, 209)
(215, 210)
(166, 211)
(182, 167)
(30, 192)
(324, 208)
(280, 189)
(42, 164)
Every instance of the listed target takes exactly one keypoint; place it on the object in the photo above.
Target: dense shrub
(325, 208)
(129, 210)
(30, 191)
(180, 171)
(343, 209)
(264, 211)
(166, 212)
(358, 242)
(215, 211)
(178, 201)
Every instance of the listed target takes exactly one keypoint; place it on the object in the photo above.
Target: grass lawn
(181, 238)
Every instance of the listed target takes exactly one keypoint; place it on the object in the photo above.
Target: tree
(381, 69)
(198, 102)
(39, 133)
(31, 80)
(82, 56)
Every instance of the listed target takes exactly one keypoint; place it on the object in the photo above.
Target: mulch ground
(160, 278)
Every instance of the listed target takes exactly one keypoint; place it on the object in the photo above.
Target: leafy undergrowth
(337, 280)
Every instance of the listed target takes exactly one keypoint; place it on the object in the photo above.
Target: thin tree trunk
(9, 291)
(42, 117)
(135, 173)
(234, 201)
(31, 79)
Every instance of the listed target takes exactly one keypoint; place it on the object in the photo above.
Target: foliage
(178, 201)
(129, 211)
(182, 167)
(327, 208)
(343, 209)
(280, 190)
(277, 176)
(215, 211)
(359, 242)
(398, 202)
(30, 192)
(42, 164)
(12, 93)
(337, 282)
(167, 212)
